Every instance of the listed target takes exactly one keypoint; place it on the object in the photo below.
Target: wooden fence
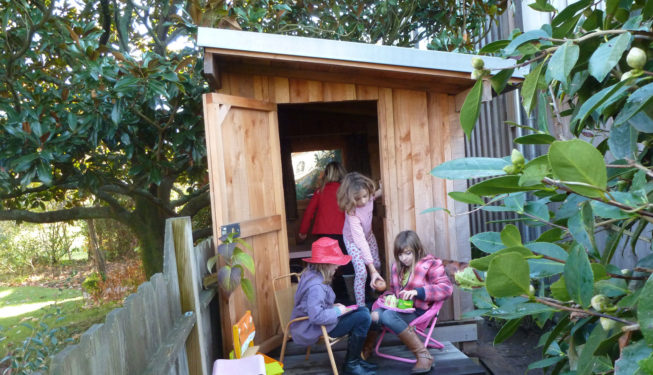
(164, 328)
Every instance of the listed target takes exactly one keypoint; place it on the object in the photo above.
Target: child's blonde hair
(408, 239)
(324, 269)
(333, 172)
(351, 185)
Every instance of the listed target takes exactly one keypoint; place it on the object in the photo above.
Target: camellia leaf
(645, 311)
(581, 227)
(507, 330)
(524, 38)
(630, 355)
(470, 108)
(595, 102)
(529, 87)
(465, 168)
(535, 139)
(607, 56)
(637, 101)
(500, 80)
(508, 275)
(540, 268)
(563, 61)
(623, 141)
(500, 185)
(489, 242)
(534, 171)
(579, 278)
(559, 290)
(579, 161)
(587, 358)
(549, 249)
(466, 197)
(510, 236)
(483, 263)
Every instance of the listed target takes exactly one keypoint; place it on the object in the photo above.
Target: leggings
(359, 266)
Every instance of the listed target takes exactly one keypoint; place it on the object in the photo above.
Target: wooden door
(244, 159)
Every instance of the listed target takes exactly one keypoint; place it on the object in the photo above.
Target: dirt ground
(511, 357)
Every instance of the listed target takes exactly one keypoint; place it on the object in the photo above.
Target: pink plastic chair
(421, 323)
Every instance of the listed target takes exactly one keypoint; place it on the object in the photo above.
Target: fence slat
(163, 357)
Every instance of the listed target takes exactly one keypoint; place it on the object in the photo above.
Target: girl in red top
(329, 220)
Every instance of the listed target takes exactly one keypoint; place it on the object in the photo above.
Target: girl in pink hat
(315, 299)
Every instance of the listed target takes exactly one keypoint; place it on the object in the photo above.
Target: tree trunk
(98, 254)
(148, 223)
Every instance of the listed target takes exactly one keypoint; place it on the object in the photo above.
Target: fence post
(190, 285)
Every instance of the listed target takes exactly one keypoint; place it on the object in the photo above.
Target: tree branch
(77, 213)
(558, 305)
(195, 205)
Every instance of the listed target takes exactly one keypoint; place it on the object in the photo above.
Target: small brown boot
(368, 345)
(423, 356)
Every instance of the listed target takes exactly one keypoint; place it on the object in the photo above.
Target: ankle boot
(423, 356)
(353, 362)
(368, 345)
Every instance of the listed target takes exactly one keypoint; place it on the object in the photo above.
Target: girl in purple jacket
(315, 298)
(418, 277)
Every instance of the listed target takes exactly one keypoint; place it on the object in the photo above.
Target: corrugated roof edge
(346, 51)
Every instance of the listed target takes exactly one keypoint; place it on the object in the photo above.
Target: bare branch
(77, 213)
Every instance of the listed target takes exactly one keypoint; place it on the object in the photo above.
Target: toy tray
(382, 304)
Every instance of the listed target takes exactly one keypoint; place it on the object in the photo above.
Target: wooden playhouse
(390, 112)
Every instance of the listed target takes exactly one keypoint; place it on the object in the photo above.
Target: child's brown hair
(408, 239)
(324, 269)
(351, 185)
(333, 172)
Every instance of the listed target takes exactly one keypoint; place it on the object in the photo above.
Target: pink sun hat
(326, 250)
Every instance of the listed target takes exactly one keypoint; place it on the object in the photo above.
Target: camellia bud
(510, 169)
(517, 157)
(607, 324)
(531, 290)
(476, 74)
(600, 302)
(636, 58)
(478, 63)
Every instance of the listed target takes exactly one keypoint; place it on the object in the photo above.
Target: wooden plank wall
(417, 131)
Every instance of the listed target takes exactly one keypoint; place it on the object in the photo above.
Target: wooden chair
(284, 297)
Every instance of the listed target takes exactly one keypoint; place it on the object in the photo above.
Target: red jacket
(324, 206)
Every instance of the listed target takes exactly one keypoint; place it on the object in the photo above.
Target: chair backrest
(284, 297)
(244, 332)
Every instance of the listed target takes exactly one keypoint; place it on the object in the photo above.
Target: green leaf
(248, 289)
(483, 263)
(608, 55)
(559, 290)
(535, 139)
(211, 262)
(594, 102)
(44, 172)
(524, 38)
(508, 275)
(507, 330)
(499, 80)
(540, 268)
(581, 227)
(115, 114)
(242, 258)
(494, 46)
(563, 61)
(551, 235)
(434, 209)
(612, 287)
(543, 363)
(630, 355)
(510, 236)
(466, 168)
(534, 171)
(529, 87)
(645, 311)
(569, 12)
(466, 197)
(542, 6)
(579, 278)
(539, 210)
(587, 360)
(500, 185)
(549, 249)
(636, 102)
(607, 211)
(489, 242)
(579, 161)
(224, 279)
(470, 108)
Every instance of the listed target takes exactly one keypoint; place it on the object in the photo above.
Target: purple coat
(315, 300)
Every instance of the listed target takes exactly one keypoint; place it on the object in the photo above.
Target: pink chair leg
(383, 355)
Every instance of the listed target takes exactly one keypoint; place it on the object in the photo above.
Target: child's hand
(342, 308)
(375, 276)
(302, 236)
(407, 294)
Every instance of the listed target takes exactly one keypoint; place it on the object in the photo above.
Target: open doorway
(313, 134)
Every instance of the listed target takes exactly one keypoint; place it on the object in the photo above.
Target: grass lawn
(26, 308)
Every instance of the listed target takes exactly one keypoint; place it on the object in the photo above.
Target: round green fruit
(517, 157)
(607, 324)
(636, 58)
(478, 63)
(476, 74)
(599, 302)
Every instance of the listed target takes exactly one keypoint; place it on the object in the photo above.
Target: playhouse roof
(276, 51)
